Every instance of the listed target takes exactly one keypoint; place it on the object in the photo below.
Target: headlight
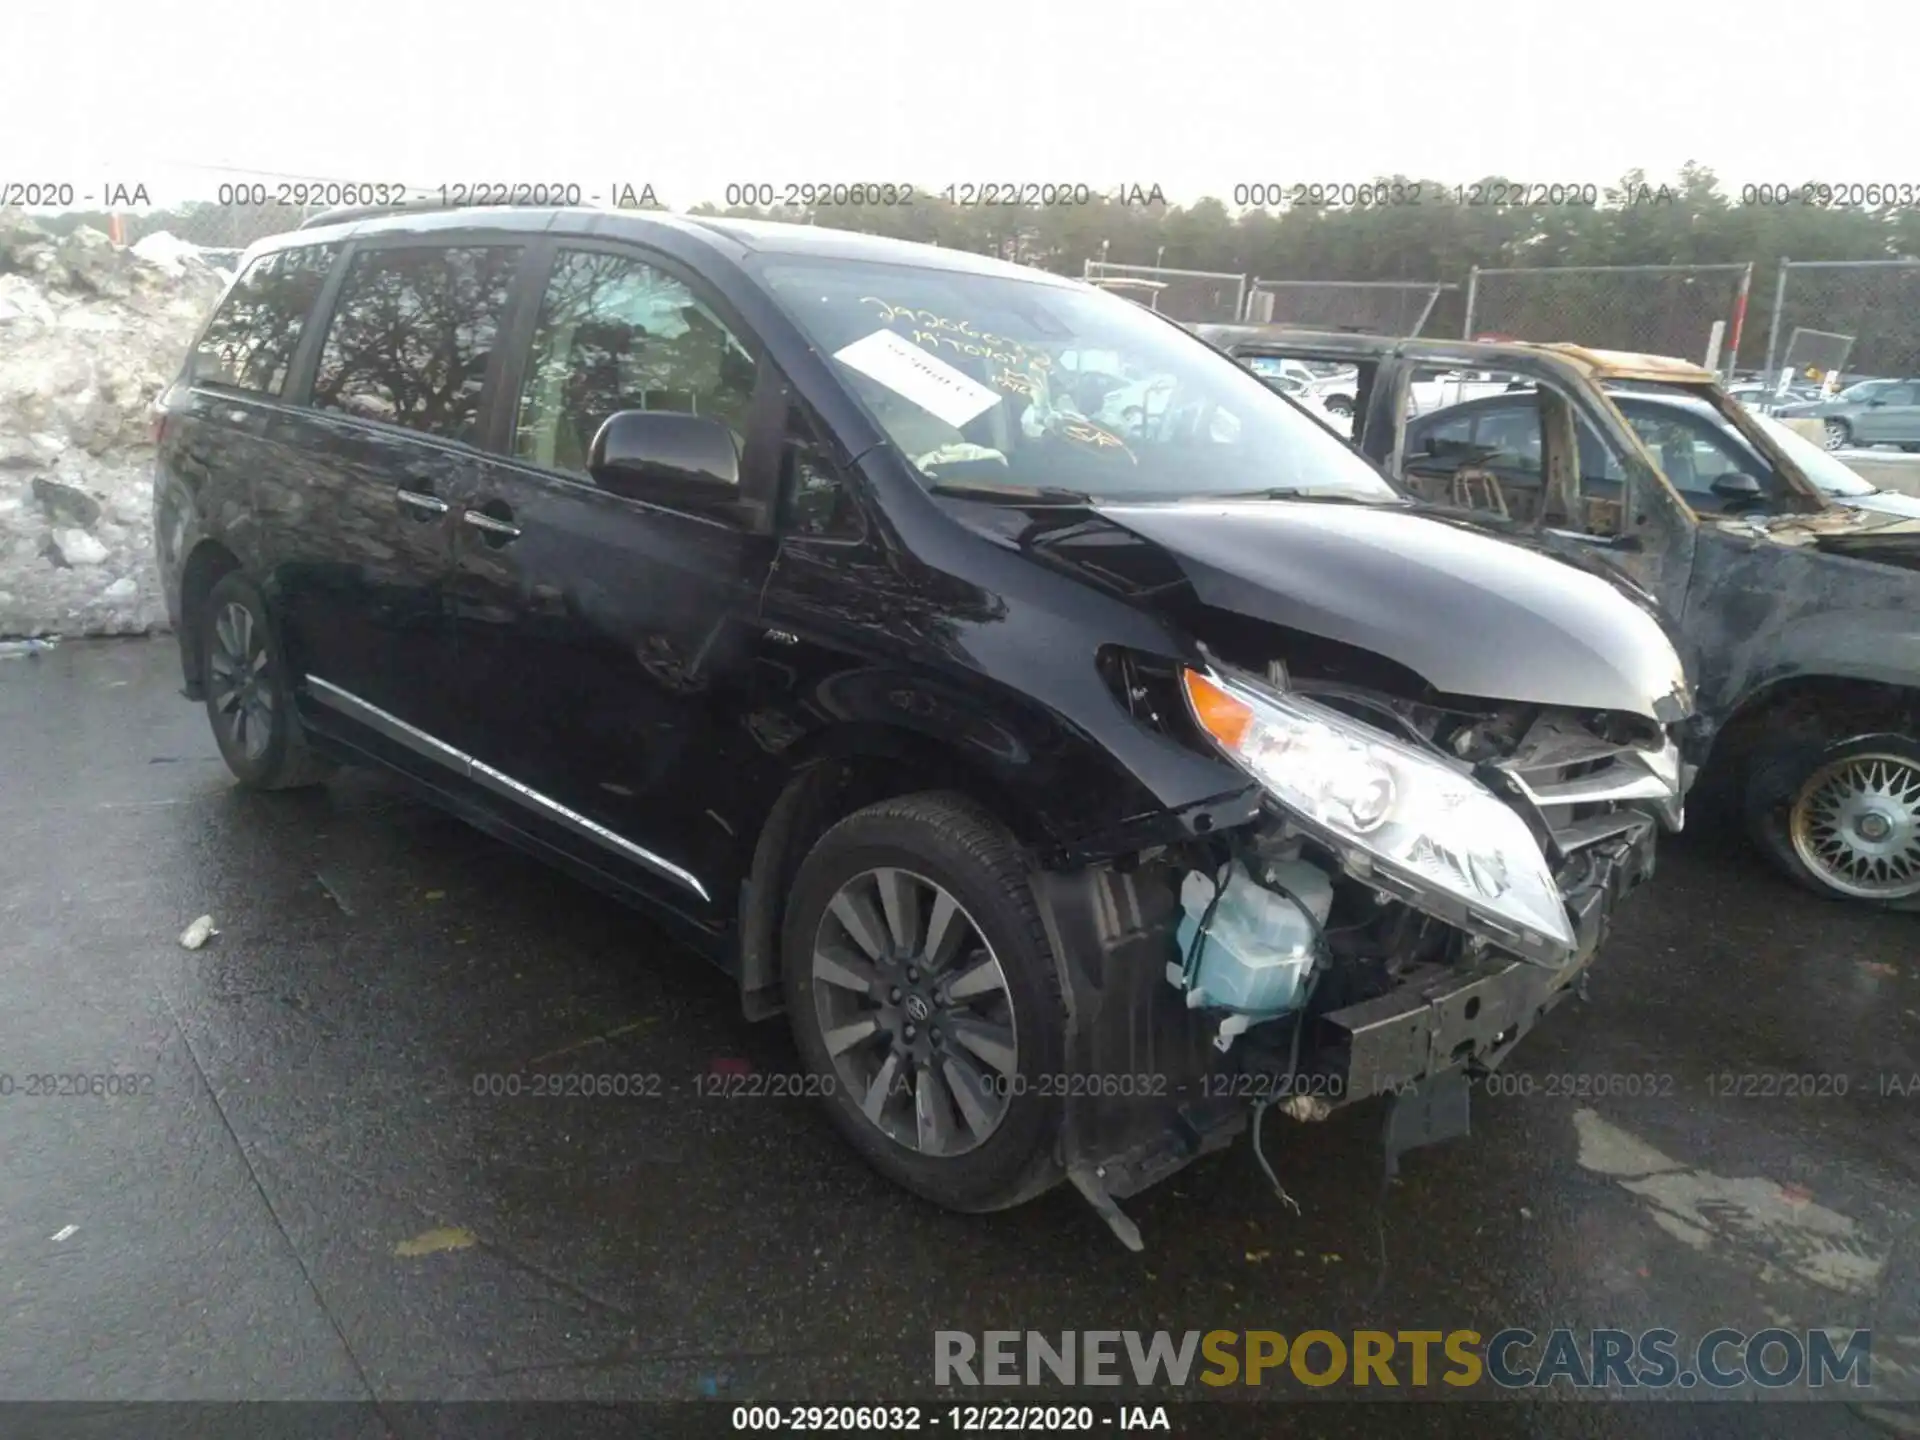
(1455, 848)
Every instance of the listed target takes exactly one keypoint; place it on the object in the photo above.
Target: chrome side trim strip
(503, 784)
(419, 741)
(391, 726)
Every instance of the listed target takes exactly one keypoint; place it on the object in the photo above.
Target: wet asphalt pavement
(243, 1227)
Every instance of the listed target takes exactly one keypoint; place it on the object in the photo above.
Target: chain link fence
(1875, 302)
(1651, 309)
(1193, 297)
(1371, 307)
(219, 227)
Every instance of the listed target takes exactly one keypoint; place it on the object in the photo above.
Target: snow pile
(89, 335)
(172, 255)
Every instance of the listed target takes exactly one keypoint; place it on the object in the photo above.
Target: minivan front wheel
(1837, 434)
(925, 1001)
(248, 693)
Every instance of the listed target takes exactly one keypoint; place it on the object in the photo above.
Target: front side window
(1694, 454)
(1488, 453)
(1718, 449)
(1001, 382)
(615, 333)
(819, 502)
(413, 334)
(250, 341)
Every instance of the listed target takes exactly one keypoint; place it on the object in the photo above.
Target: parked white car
(1454, 387)
(1331, 391)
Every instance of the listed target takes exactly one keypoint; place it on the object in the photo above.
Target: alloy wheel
(241, 683)
(1834, 434)
(915, 1012)
(1856, 825)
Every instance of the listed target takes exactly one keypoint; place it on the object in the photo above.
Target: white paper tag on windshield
(926, 380)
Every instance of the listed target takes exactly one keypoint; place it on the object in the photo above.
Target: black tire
(952, 842)
(1340, 405)
(263, 744)
(1777, 781)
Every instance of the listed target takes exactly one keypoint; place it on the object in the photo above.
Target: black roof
(742, 237)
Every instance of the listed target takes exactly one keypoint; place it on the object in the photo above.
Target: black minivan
(1081, 745)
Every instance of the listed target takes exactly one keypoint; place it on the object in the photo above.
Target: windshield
(1816, 464)
(994, 381)
(1862, 390)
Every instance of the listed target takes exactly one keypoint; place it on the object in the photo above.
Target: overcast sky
(1196, 96)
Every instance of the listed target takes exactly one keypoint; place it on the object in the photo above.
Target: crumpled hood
(1884, 502)
(1471, 614)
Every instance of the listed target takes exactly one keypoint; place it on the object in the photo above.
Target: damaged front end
(1426, 878)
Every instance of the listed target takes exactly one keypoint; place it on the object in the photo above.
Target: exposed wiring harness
(1322, 958)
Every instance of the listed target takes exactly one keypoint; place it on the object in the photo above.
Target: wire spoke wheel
(1855, 824)
(916, 1014)
(242, 688)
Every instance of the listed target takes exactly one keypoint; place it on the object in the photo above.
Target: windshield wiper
(1301, 492)
(1010, 494)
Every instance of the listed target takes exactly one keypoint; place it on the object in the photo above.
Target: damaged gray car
(1796, 614)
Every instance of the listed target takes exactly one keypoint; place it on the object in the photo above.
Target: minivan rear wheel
(925, 1001)
(248, 691)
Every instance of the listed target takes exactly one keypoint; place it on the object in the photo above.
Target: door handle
(498, 531)
(414, 500)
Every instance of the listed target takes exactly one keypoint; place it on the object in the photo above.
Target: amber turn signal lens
(1222, 716)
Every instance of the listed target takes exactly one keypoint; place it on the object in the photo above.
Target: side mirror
(1736, 486)
(687, 462)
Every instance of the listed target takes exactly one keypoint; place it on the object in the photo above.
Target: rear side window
(250, 341)
(413, 334)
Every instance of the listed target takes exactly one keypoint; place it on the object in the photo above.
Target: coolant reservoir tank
(1259, 944)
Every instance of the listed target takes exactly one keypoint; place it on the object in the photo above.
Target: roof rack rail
(345, 213)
